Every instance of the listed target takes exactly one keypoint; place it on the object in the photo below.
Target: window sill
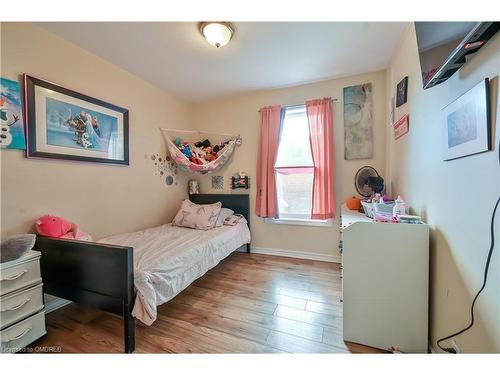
(304, 222)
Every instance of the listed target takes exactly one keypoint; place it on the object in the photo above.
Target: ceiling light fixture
(217, 34)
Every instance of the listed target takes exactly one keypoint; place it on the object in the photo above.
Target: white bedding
(168, 258)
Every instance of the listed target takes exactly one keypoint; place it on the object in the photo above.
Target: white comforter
(168, 258)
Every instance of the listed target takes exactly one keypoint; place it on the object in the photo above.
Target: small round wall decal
(166, 168)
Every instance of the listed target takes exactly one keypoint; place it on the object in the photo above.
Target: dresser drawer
(18, 305)
(21, 334)
(19, 275)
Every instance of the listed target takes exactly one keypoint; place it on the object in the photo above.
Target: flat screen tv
(443, 47)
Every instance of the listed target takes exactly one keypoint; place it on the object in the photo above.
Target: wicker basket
(368, 207)
(383, 208)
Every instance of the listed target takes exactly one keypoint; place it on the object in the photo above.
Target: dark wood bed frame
(102, 275)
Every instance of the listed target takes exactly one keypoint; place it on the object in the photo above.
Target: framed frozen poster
(11, 119)
(64, 124)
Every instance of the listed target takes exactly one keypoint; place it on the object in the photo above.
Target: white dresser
(385, 283)
(22, 317)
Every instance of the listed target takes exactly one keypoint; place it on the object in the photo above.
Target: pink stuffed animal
(58, 227)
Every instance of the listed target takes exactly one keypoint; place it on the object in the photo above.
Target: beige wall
(103, 199)
(239, 115)
(456, 197)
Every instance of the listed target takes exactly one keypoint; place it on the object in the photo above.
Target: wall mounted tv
(443, 46)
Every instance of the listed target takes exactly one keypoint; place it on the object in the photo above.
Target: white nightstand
(22, 317)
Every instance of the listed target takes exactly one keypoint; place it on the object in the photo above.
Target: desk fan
(368, 182)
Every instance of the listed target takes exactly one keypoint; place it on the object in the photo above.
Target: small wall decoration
(240, 181)
(466, 123)
(217, 182)
(401, 127)
(401, 92)
(64, 124)
(193, 187)
(11, 120)
(358, 122)
(165, 167)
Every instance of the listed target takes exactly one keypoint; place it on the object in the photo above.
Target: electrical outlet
(455, 346)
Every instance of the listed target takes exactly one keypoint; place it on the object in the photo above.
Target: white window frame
(298, 219)
(301, 221)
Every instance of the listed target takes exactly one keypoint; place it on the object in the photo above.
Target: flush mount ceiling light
(217, 34)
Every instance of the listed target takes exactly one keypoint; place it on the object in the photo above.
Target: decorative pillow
(16, 246)
(235, 219)
(224, 214)
(197, 216)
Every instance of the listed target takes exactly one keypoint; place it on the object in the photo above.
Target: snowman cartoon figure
(5, 124)
(85, 140)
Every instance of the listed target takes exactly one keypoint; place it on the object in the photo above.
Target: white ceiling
(262, 55)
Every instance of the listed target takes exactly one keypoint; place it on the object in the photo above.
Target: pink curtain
(266, 204)
(320, 116)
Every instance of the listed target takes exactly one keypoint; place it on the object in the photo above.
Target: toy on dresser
(58, 227)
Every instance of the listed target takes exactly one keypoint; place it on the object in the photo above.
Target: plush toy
(198, 152)
(186, 150)
(58, 227)
(196, 160)
(178, 141)
(203, 144)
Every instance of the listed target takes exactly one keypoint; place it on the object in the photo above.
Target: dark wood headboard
(239, 203)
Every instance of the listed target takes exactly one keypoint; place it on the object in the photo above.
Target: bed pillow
(235, 219)
(223, 215)
(197, 216)
(16, 246)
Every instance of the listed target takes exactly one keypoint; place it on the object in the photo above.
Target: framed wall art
(358, 122)
(64, 124)
(401, 127)
(466, 123)
(11, 119)
(402, 92)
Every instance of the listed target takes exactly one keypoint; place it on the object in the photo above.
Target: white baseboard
(297, 254)
(431, 349)
(55, 303)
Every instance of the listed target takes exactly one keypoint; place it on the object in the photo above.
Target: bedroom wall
(239, 115)
(102, 199)
(456, 197)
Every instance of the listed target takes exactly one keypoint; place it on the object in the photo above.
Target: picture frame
(11, 117)
(402, 92)
(65, 124)
(401, 127)
(466, 123)
(240, 183)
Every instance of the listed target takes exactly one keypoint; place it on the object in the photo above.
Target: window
(294, 168)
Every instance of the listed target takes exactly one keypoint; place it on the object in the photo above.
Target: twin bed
(130, 274)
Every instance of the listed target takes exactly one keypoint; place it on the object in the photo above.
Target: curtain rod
(300, 105)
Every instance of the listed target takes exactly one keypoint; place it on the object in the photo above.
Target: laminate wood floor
(249, 303)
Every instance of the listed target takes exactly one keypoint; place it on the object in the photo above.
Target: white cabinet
(22, 318)
(385, 283)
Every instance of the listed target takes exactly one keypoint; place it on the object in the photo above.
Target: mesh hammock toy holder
(194, 136)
